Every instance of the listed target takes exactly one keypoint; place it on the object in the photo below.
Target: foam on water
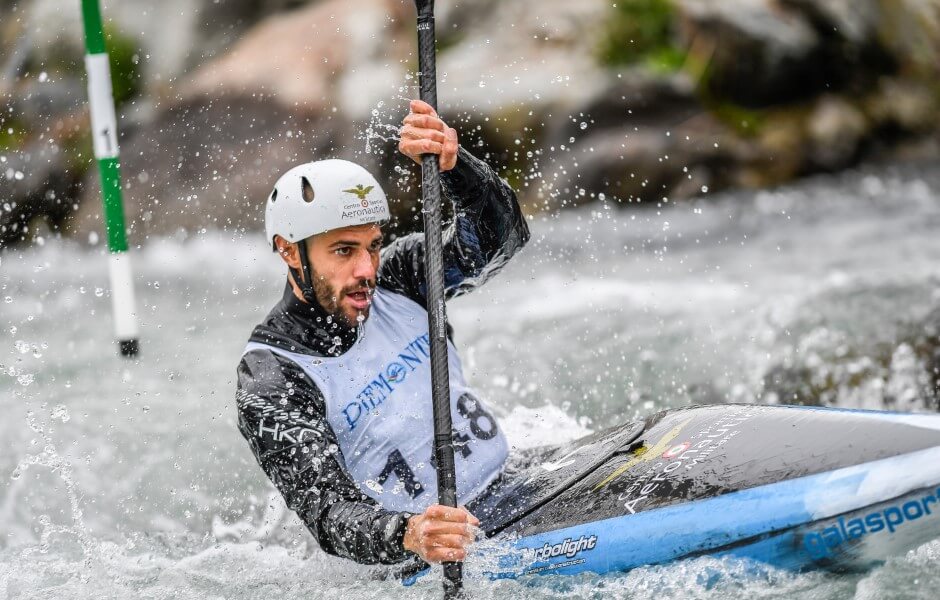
(121, 479)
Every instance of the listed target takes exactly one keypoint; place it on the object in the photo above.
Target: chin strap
(303, 279)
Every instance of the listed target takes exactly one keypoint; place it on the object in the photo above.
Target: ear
(288, 252)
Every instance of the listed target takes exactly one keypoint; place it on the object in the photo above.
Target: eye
(343, 250)
(376, 246)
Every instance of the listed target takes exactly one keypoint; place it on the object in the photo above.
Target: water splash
(379, 122)
(60, 466)
(274, 516)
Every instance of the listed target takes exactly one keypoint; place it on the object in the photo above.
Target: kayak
(797, 488)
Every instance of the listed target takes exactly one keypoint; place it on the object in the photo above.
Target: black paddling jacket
(281, 412)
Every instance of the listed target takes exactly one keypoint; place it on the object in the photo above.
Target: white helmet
(323, 195)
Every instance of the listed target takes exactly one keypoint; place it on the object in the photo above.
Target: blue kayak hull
(797, 488)
(849, 519)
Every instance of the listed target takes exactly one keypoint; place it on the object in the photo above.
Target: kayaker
(334, 392)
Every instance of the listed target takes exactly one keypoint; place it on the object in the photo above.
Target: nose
(364, 267)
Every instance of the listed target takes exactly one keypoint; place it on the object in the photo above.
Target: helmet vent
(307, 189)
(274, 195)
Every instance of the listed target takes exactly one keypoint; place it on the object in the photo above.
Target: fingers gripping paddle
(437, 317)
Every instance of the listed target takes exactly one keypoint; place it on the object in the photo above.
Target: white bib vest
(378, 402)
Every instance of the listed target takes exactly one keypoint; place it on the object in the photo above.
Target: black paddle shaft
(434, 274)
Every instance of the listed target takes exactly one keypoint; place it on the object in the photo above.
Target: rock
(37, 101)
(533, 53)
(910, 30)
(221, 23)
(641, 139)
(855, 21)
(754, 50)
(325, 56)
(851, 43)
(14, 49)
(39, 181)
(632, 97)
(904, 104)
(778, 154)
(764, 52)
(835, 132)
(174, 35)
(318, 58)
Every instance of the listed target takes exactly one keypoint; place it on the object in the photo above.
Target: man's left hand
(423, 132)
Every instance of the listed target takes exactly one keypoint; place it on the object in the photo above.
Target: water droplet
(99, 292)
(60, 412)
(583, 125)
(704, 189)
(8, 299)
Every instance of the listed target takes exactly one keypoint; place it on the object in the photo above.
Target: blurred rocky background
(633, 102)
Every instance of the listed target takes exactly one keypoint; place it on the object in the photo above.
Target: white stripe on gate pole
(122, 296)
(101, 97)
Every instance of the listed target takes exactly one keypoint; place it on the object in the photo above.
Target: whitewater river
(130, 480)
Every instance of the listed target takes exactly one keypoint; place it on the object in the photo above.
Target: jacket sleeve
(282, 415)
(488, 229)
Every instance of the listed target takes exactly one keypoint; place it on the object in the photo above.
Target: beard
(329, 299)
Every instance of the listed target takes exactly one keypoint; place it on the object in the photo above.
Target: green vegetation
(640, 31)
(125, 64)
(67, 60)
(746, 122)
(12, 133)
(665, 60)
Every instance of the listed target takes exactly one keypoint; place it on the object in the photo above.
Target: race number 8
(470, 409)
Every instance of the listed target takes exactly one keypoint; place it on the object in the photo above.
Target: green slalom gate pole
(104, 132)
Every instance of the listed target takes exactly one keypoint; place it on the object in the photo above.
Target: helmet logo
(360, 192)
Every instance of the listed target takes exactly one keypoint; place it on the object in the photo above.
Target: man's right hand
(441, 534)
